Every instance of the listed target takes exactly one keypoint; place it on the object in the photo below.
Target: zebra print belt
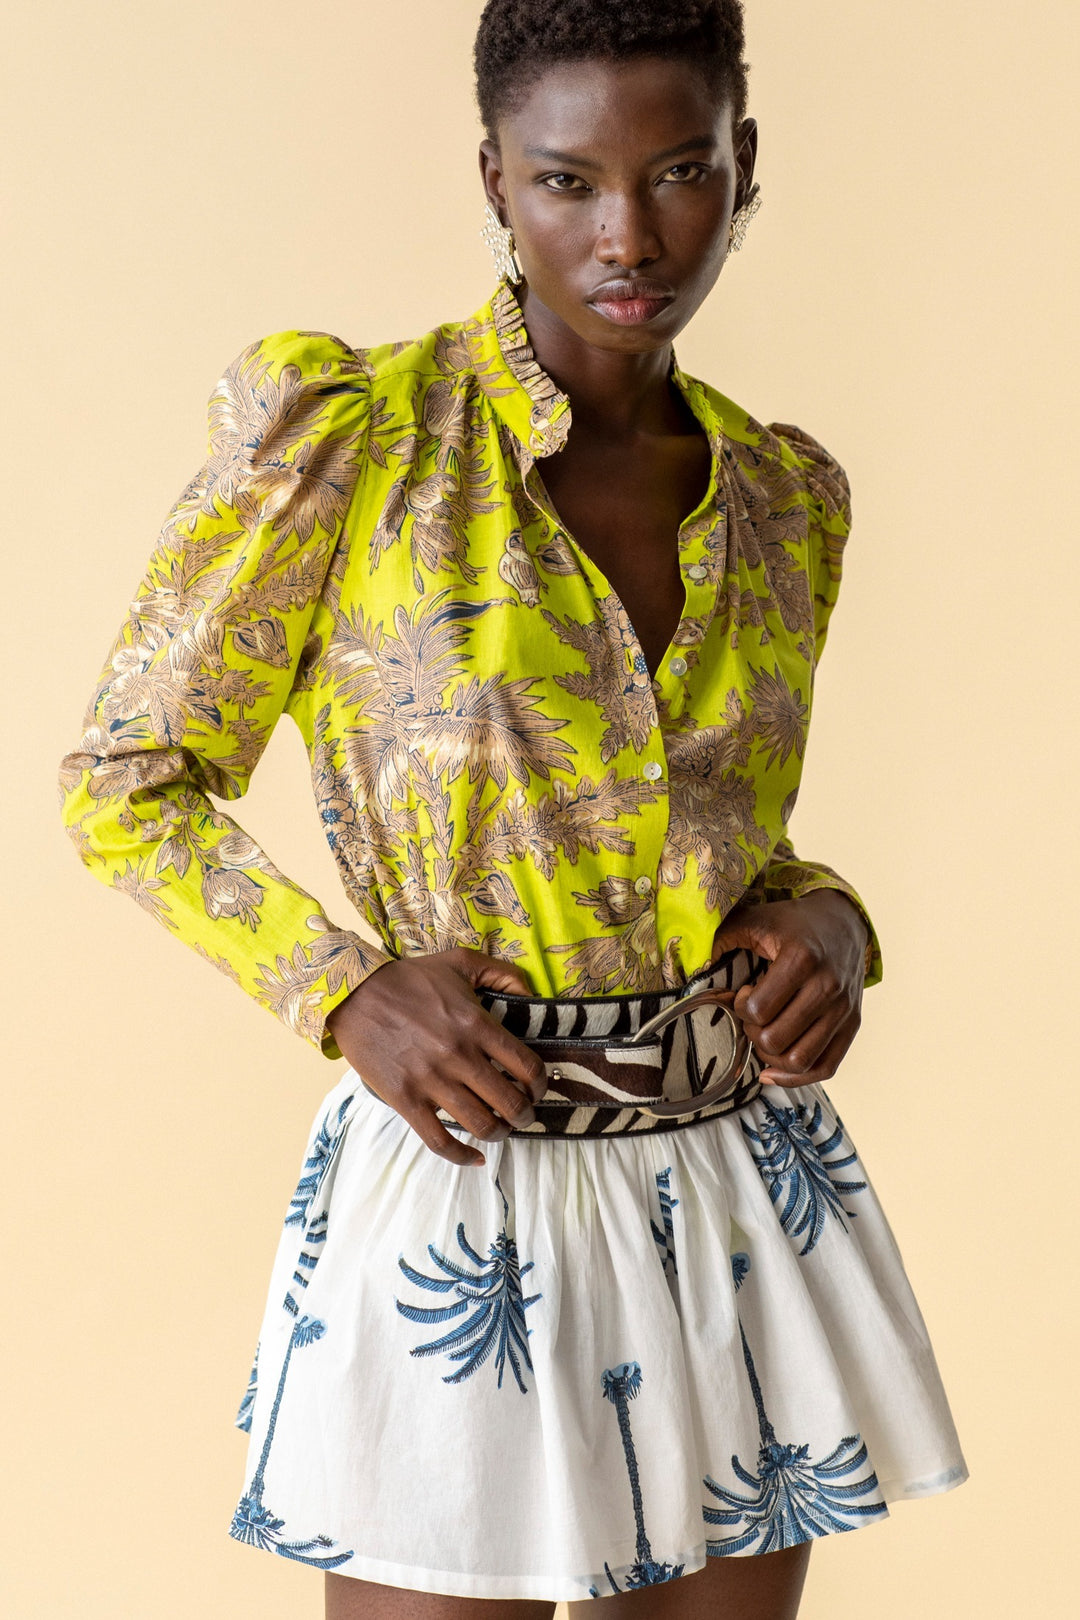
(620, 1065)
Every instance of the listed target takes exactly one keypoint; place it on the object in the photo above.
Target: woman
(579, 1293)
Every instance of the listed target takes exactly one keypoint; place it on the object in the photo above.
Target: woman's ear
(745, 141)
(491, 172)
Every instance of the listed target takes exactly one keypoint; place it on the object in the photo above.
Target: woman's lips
(629, 311)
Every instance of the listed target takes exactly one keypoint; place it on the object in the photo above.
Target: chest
(467, 670)
(624, 510)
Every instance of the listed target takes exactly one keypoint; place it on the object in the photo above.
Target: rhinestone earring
(500, 239)
(742, 217)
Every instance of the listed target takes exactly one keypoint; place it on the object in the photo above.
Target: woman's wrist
(336, 1014)
(840, 900)
(840, 904)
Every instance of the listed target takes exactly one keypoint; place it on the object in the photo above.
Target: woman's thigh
(350, 1599)
(763, 1587)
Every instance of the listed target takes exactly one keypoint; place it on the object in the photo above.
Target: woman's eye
(681, 172)
(564, 182)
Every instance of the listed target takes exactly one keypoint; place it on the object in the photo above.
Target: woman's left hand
(805, 1010)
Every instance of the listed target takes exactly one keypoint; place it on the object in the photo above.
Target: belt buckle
(742, 1050)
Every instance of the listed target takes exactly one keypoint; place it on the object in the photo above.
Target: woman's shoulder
(825, 477)
(776, 455)
(300, 393)
(306, 358)
(282, 391)
(292, 359)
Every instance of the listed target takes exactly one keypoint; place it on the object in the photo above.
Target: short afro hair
(518, 40)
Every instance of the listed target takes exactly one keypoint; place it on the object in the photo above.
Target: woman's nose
(628, 236)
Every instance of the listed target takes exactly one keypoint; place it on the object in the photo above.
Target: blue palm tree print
(665, 1236)
(324, 1146)
(792, 1498)
(798, 1158)
(620, 1385)
(325, 1143)
(307, 1259)
(247, 1405)
(488, 1295)
(255, 1524)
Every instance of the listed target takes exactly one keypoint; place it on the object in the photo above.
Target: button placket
(655, 813)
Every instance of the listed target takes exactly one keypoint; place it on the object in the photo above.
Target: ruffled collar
(532, 405)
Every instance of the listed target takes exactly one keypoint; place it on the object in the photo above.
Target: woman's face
(619, 180)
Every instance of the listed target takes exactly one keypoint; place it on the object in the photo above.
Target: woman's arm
(201, 668)
(808, 921)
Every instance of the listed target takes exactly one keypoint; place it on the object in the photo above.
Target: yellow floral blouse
(369, 548)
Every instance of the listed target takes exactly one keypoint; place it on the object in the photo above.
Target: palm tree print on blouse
(254, 1523)
(665, 1236)
(793, 1499)
(798, 1158)
(326, 1141)
(620, 1385)
(491, 1294)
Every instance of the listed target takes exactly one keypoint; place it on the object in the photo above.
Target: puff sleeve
(785, 875)
(201, 668)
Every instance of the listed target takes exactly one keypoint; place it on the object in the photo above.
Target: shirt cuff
(353, 960)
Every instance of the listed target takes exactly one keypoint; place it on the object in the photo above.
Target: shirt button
(643, 885)
(653, 771)
(697, 571)
(677, 666)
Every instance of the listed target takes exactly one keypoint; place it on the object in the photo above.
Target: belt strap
(622, 1065)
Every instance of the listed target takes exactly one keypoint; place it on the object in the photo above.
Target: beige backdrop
(189, 176)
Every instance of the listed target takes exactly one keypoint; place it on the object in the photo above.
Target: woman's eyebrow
(574, 160)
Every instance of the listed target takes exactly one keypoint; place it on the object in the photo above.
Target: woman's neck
(615, 395)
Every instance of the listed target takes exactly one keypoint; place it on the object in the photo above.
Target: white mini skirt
(587, 1365)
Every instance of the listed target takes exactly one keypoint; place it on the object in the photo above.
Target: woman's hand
(804, 1012)
(417, 1035)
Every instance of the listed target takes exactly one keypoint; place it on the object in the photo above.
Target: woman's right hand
(420, 1039)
